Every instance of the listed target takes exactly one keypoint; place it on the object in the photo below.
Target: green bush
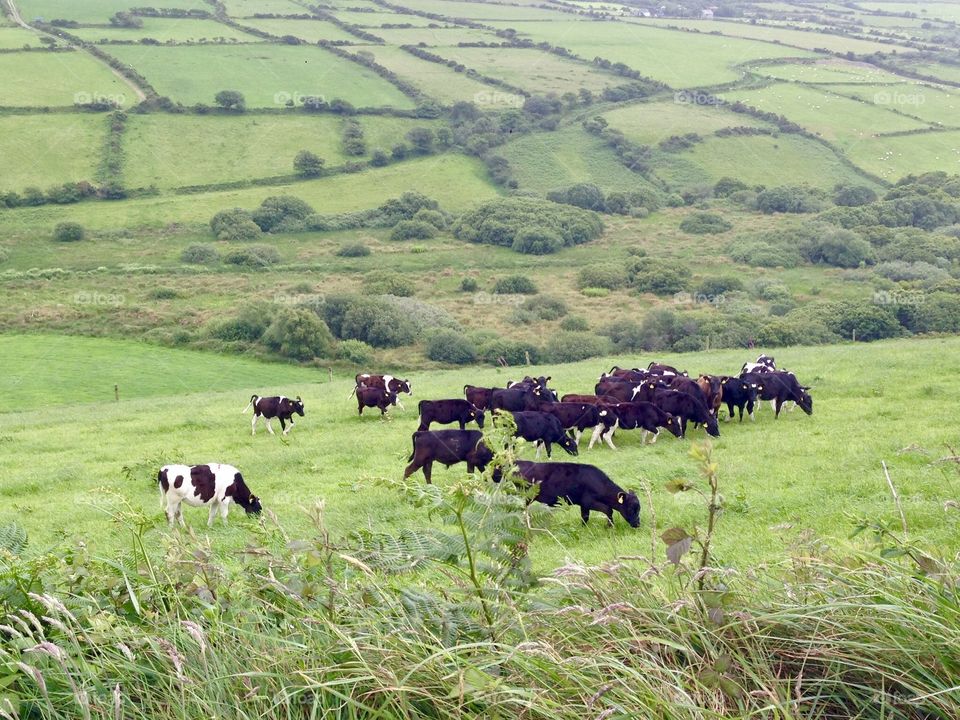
(564, 347)
(353, 250)
(704, 223)
(434, 217)
(609, 276)
(838, 247)
(853, 195)
(235, 224)
(388, 283)
(376, 323)
(248, 326)
(536, 241)
(790, 199)
(899, 271)
(594, 292)
(545, 307)
(657, 276)
(870, 320)
(574, 323)
(253, 256)
(413, 230)
(468, 284)
(761, 252)
(448, 346)
(354, 351)
(582, 195)
(931, 312)
(280, 213)
(68, 232)
(727, 186)
(719, 285)
(784, 331)
(512, 352)
(163, 293)
(299, 334)
(515, 285)
(199, 254)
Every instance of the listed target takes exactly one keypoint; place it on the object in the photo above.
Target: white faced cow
(278, 406)
(213, 484)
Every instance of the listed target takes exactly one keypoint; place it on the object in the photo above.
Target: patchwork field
(945, 11)
(650, 122)
(93, 11)
(40, 151)
(894, 157)
(827, 71)
(437, 36)
(950, 73)
(244, 8)
(165, 30)
(485, 12)
(373, 20)
(263, 73)
(929, 103)
(58, 79)
(16, 37)
(310, 30)
(681, 60)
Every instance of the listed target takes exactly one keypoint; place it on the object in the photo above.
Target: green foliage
(609, 276)
(574, 323)
(790, 199)
(468, 284)
(594, 292)
(248, 326)
(853, 195)
(200, 254)
(354, 351)
(68, 232)
(280, 213)
(307, 164)
(583, 195)
(657, 276)
(388, 283)
(704, 223)
(515, 285)
(434, 217)
(357, 249)
(511, 352)
(719, 285)
(254, 256)
(235, 225)
(727, 186)
(231, 100)
(839, 247)
(448, 346)
(763, 251)
(299, 334)
(375, 323)
(545, 307)
(869, 320)
(536, 223)
(413, 230)
(564, 347)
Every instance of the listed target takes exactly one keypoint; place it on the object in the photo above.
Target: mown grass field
(261, 72)
(164, 30)
(92, 11)
(42, 150)
(650, 122)
(15, 37)
(309, 30)
(929, 103)
(893, 157)
(438, 36)
(57, 79)
(782, 479)
(832, 70)
(244, 8)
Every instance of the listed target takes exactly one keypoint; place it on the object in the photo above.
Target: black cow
(583, 485)
(445, 412)
(374, 397)
(619, 388)
(447, 447)
(635, 374)
(589, 399)
(779, 387)
(656, 368)
(543, 429)
(384, 382)
(518, 399)
(690, 387)
(633, 415)
(575, 416)
(738, 393)
(532, 383)
(479, 397)
(688, 409)
(277, 406)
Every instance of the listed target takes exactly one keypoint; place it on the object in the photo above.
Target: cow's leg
(253, 425)
(596, 434)
(224, 508)
(359, 406)
(427, 470)
(283, 427)
(269, 425)
(750, 410)
(683, 427)
(608, 437)
(180, 514)
(172, 508)
(773, 404)
(577, 433)
(411, 468)
(214, 509)
(537, 446)
(656, 434)
(548, 446)
(400, 404)
(463, 424)
(584, 511)
(777, 404)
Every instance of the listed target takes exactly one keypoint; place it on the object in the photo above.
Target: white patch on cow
(608, 438)
(596, 434)
(386, 382)
(538, 445)
(269, 426)
(253, 424)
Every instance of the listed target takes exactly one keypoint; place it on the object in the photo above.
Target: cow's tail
(353, 392)
(163, 495)
(253, 399)
(420, 410)
(413, 442)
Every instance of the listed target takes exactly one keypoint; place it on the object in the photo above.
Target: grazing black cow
(518, 399)
(738, 393)
(583, 485)
(445, 412)
(687, 408)
(447, 447)
(532, 383)
(656, 368)
(764, 363)
(212, 484)
(384, 382)
(479, 397)
(277, 406)
(374, 397)
(779, 387)
(633, 415)
(633, 374)
(543, 429)
(575, 416)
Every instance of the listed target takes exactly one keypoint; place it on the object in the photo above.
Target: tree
(126, 20)
(307, 164)
(231, 100)
(422, 140)
(299, 334)
(68, 232)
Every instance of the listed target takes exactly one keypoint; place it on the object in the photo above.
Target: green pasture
(181, 150)
(265, 74)
(380, 17)
(892, 157)
(309, 30)
(17, 37)
(681, 60)
(245, 8)
(485, 11)
(832, 70)
(165, 30)
(932, 104)
(38, 79)
(650, 122)
(950, 73)
(94, 11)
(61, 472)
(44, 150)
(926, 10)
(437, 36)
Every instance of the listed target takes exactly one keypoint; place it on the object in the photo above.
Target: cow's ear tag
(620, 498)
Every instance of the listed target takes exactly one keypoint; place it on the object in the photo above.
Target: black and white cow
(583, 485)
(374, 397)
(445, 412)
(688, 409)
(213, 484)
(779, 387)
(543, 429)
(644, 416)
(738, 393)
(384, 382)
(447, 447)
(575, 416)
(655, 368)
(764, 363)
(277, 406)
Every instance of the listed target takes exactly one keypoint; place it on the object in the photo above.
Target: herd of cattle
(650, 399)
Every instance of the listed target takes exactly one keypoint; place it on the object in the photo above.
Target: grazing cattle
(583, 485)
(656, 368)
(384, 382)
(543, 429)
(738, 393)
(278, 406)
(622, 390)
(575, 416)
(374, 397)
(447, 447)
(688, 409)
(518, 399)
(779, 387)
(712, 388)
(479, 397)
(538, 384)
(633, 415)
(645, 391)
(617, 371)
(688, 387)
(212, 484)
(445, 412)
(589, 399)
(764, 363)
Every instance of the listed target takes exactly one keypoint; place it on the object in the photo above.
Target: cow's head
(806, 400)
(752, 389)
(767, 361)
(568, 443)
(628, 505)
(479, 416)
(253, 506)
(297, 406)
(713, 429)
(673, 424)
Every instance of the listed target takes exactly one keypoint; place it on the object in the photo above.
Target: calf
(445, 412)
(583, 485)
(278, 406)
(448, 447)
(212, 484)
(374, 397)
(738, 393)
(479, 397)
(688, 409)
(575, 416)
(543, 429)
(384, 382)
(632, 415)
